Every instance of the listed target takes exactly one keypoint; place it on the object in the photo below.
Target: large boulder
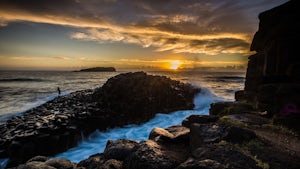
(206, 134)
(92, 162)
(139, 96)
(151, 155)
(173, 134)
(225, 108)
(192, 163)
(201, 119)
(120, 149)
(41, 162)
(224, 154)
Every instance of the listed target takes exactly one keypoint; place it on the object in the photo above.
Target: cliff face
(273, 74)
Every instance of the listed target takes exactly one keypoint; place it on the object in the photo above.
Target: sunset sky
(74, 34)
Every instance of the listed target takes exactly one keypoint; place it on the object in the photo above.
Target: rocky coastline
(54, 127)
(233, 141)
(260, 130)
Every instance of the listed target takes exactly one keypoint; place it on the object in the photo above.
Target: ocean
(23, 90)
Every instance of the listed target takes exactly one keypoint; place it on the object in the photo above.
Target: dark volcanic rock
(38, 158)
(40, 162)
(60, 163)
(92, 162)
(158, 133)
(202, 134)
(205, 134)
(174, 134)
(201, 119)
(224, 108)
(35, 165)
(273, 75)
(139, 96)
(151, 155)
(192, 163)
(239, 135)
(226, 155)
(124, 99)
(120, 149)
(99, 162)
(111, 164)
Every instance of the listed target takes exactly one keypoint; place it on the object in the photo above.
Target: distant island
(98, 69)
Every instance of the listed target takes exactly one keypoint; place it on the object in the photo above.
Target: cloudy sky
(73, 34)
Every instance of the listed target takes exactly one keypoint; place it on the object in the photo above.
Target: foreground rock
(57, 125)
(208, 143)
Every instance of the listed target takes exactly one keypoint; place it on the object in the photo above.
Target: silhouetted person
(58, 90)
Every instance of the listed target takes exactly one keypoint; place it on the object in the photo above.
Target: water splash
(96, 142)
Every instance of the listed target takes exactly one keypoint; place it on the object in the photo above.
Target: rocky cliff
(273, 74)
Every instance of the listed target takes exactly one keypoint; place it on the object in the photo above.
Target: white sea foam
(3, 162)
(96, 142)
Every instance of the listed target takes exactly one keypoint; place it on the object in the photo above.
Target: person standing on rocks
(58, 90)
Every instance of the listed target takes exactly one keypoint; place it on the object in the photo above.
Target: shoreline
(47, 99)
(200, 141)
(63, 119)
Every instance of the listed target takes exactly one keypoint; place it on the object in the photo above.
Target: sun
(175, 64)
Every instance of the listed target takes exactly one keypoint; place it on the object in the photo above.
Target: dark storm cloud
(218, 26)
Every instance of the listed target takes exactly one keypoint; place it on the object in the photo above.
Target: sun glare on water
(175, 64)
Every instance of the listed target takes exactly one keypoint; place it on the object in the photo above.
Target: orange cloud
(197, 27)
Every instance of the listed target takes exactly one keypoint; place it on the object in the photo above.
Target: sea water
(23, 90)
(20, 91)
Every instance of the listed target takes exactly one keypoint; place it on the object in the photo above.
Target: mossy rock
(226, 108)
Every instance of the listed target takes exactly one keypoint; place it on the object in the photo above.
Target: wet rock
(120, 149)
(41, 162)
(180, 134)
(156, 133)
(173, 134)
(246, 119)
(226, 108)
(140, 96)
(92, 162)
(245, 96)
(274, 156)
(225, 155)
(60, 163)
(111, 164)
(201, 119)
(192, 163)
(35, 165)
(38, 158)
(98, 161)
(239, 135)
(150, 155)
(206, 133)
